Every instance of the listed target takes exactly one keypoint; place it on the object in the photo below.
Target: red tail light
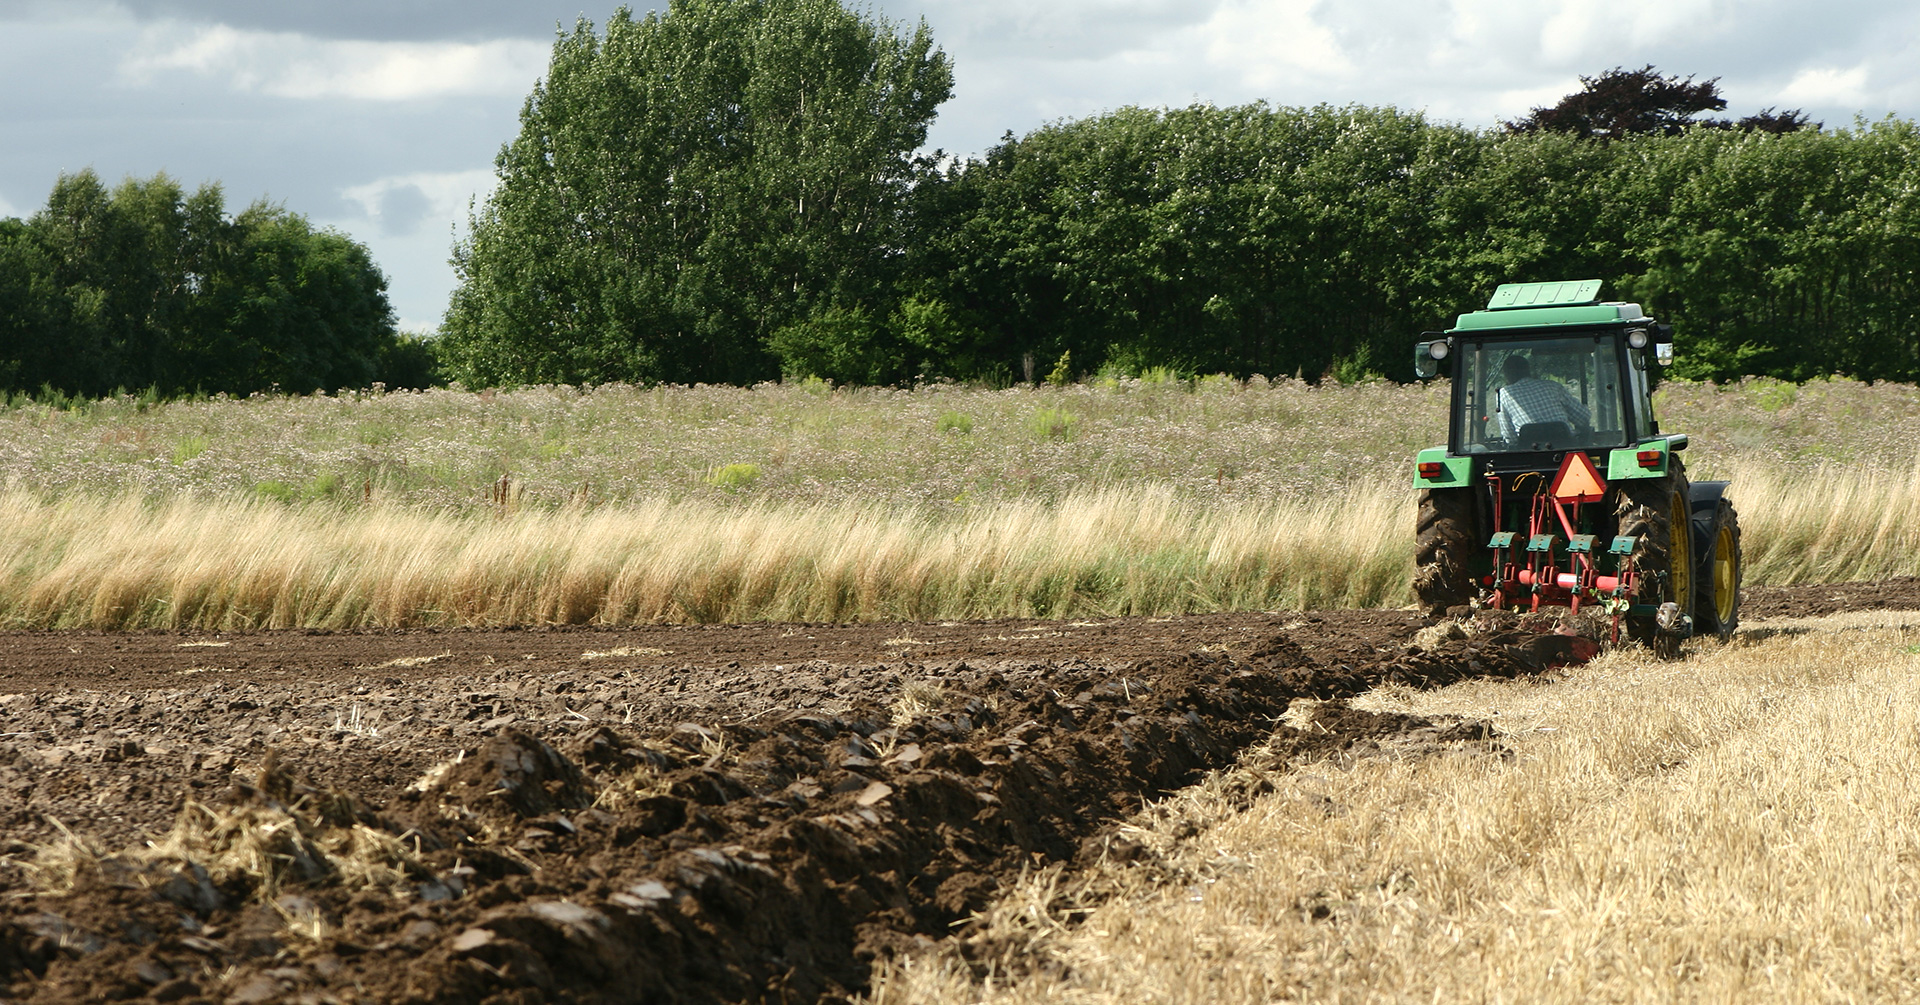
(1431, 469)
(1649, 458)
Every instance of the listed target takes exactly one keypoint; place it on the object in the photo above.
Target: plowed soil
(733, 813)
(1759, 602)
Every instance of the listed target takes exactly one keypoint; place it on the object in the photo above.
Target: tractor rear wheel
(1656, 511)
(1716, 593)
(1443, 547)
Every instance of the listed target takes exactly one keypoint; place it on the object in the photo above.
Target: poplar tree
(687, 185)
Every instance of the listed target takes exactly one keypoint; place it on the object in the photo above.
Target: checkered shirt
(1536, 400)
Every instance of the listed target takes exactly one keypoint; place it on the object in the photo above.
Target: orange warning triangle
(1578, 481)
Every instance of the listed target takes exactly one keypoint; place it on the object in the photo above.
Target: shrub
(734, 477)
(189, 448)
(1054, 424)
(1062, 374)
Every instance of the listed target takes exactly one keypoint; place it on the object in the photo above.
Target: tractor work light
(1649, 458)
(1437, 349)
(1637, 338)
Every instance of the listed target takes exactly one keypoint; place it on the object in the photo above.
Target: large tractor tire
(1444, 542)
(1657, 512)
(1716, 590)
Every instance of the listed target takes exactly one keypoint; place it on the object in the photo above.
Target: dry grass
(575, 506)
(917, 698)
(619, 652)
(223, 564)
(262, 848)
(1736, 827)
(58, 865)
(255, 849)
(1827, 523)
(193, 563)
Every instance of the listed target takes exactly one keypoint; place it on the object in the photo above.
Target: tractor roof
(1541, 305)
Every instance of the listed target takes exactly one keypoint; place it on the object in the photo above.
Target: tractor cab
(1548, 368)
(1556, 485)
(1541, 394)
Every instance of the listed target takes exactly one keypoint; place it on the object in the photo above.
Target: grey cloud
(403, 209)
(381, 20)
(1067, 29)
(64, 109)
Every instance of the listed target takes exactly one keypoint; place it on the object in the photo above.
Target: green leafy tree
(1248, 239)
(687, 186)
(30, 310)
(1315, 241)
(146, 286)
(1792, 255)
(841, 343)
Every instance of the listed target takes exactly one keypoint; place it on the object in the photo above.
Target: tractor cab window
(1540, 394)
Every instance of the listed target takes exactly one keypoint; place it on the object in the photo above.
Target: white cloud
(298, 66)
(7, 210)
(1827, 86)
(997, 30)
(1589, 30)
(1273, 42)
(1522, 100)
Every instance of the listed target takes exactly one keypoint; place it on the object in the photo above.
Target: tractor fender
(1705, 495)
(1703, 504)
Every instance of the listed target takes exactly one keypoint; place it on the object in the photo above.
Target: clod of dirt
(519, 772)
(1339, 726)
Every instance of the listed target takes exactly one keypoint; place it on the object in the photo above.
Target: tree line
(735, 190)
(148, 287)
(1309, 240)
(730, 191)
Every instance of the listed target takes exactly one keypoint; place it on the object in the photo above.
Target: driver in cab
(1527, 400)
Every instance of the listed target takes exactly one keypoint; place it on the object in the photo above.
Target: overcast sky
(382, 117)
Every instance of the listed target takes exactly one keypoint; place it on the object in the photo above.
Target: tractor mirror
(1663, 352)
(1427, 357)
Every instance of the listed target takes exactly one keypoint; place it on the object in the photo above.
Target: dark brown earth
(656, 814)
(1759, 602)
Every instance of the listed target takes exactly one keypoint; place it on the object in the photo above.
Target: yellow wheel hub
(1725, 574)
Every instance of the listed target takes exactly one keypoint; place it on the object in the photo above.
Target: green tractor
(1556, 487)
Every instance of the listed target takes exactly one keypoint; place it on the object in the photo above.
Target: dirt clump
(579, 852)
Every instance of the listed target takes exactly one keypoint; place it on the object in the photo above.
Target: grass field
(1737, 827)
(622, 504)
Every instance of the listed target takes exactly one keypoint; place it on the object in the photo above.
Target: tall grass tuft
(233, 564)
(1826, 523)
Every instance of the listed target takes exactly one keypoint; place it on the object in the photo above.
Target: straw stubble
(1739, 827)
